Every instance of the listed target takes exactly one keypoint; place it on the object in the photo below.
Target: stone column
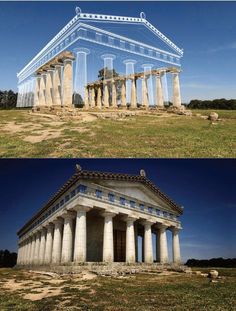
(163, 245)
(81, 71)
(130, 240)
(37, 90)
(123, 94)
(48, 94)
(42, 100)
(99, 97)
(147, 69)
(92, 99)
(114, 95)
(67, 241)
(42, 246)
(26, 252)
(32, 249)
(159, 90)
(48, 246)
(29, 251)
(175, 245)
(148, 252)
(108, 247)
(36, 249)
(57, 86)
(176, 90)
(108, 65)
(57, 241)
(67, 83)
(133, 103)
(145, 101)
(86, 97)
(106, 96)
(80, 246)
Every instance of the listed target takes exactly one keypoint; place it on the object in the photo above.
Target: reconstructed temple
(138, 62)
(102, 217)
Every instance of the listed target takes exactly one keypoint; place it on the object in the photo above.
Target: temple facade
(102, 217)
(138, 70)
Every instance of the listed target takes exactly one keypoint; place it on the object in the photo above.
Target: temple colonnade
(59, 242)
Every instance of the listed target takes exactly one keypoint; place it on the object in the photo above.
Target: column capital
(82, 50)
(175, 230)
(58, 221)
(129, 61)
(108, 56)
(129, 218)
(49, 226)
(162, 226)
(68, 215)
(108, 214)
(82, 208)
(147, 222)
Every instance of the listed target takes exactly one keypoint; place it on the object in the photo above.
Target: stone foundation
(106, 269)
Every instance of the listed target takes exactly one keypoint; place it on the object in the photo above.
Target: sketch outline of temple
(62, 67)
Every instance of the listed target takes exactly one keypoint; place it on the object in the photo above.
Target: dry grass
(26, 135)
(141, 292)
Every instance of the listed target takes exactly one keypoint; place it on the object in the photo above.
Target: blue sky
(206, 31)
(203, 187)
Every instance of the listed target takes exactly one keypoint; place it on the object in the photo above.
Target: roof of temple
(85, 174)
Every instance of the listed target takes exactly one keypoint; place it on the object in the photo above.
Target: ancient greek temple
(102, 217)
(140, 66)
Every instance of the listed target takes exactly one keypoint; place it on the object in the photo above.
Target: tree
(7, 259)
(8, 99)
(221, 103)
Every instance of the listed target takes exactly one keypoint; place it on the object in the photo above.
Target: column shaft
(67, 83)
(67, 241)
(123, 94)
(114, 95)
(106, 96)
(99, 97)
(36, 249)
(148, 252)
(48, 246)
(163, 246)
(159, 90)
(130, 241)
(133, 94)
(57, 241)
(176, 91)
(175, 246)
(80, 247)
(108, 247)
(42, 246)
(57, 86)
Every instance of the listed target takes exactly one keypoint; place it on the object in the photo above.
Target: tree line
(7, 259)
(213, 262)
(228, 104)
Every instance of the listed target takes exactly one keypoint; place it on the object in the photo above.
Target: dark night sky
(203, 187)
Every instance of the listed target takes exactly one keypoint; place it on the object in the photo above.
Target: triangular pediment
(138, 32)
(137, 191)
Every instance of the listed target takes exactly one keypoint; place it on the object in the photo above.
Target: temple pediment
(138, 191)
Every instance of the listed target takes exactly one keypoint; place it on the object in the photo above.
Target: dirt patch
(13, 128)
(43, 292)
(39, 136)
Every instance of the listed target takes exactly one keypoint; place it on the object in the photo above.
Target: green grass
(138, 136)
(140, 293)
